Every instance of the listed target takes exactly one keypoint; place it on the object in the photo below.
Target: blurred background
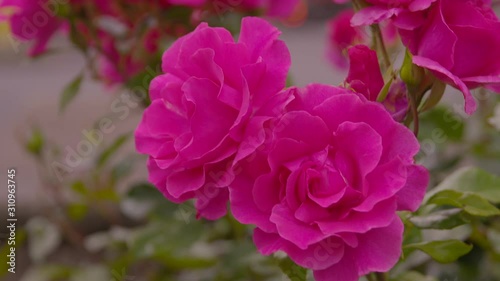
(103, 221)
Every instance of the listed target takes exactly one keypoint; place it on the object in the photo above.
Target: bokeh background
(30, 91)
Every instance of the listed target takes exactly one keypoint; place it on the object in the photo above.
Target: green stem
(381, 48)
(414, 111)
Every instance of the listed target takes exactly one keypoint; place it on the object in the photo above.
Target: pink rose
(33, 21)
(327, 184)
(209, 108)
(459, 43)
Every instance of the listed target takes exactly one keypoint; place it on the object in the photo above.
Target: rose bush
(326, 185)
(216, 96)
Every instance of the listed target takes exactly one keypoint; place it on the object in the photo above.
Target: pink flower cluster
(320, 171)
(457, 40)
(112, 29)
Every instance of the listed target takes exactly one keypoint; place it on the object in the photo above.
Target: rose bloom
(32, 21)
(327, 183)
(459, 43)
(216, 97)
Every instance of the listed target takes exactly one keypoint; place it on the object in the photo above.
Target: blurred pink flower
(406, 14)
(342, 35)
(326, 186)
(210, 108)
(459, 43)
(32, 21)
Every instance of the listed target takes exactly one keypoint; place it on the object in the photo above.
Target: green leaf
(437, 92)
(106, 194)
(442, 219)
(108, 152)
(472, 180)
(471, 203)
(410, 73)
(445, 251)
(385, 91)
(79, 187)
(70, 92)
(292, 270)
(36, 142)
(77, 211)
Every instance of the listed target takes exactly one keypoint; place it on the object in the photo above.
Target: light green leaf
(471, 203)
(410, 73)
(472, 180)
(79, 187)
(77, 211)
(442, 219)
(70, 92)
(106, 194)
(36, 142)
(445, 251)
(385, 91)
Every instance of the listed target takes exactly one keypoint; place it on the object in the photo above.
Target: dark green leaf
(144, 191)
(445, 251)
(70, 92)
